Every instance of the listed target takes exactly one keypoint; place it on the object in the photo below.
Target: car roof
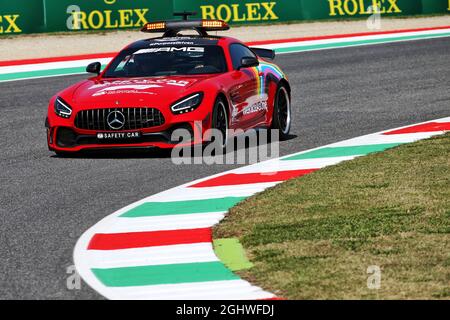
(180, 40)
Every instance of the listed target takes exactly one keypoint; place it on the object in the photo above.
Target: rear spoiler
(264, 53)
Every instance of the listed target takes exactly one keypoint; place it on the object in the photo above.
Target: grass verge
(315, 237)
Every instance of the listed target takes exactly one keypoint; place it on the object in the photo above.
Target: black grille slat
(135, 118)
(82, 119)
(129, 119)
(92, 119)
(98, 118)
(103, 121)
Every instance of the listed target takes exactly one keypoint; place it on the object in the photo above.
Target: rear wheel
(220, 120)
(282, 112)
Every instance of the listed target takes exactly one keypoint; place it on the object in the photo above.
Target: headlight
(62, 109)
(187, 104)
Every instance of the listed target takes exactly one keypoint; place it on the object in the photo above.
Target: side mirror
(94, 67)
(248, 62)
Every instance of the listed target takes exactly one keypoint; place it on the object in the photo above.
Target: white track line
(384, 139)
(51, 65)
(169, 222)
(244, 190)
(387, 37)
(181, 253)
(276, 165)
(212, 290)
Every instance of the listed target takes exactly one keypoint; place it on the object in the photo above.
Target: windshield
(166, 61)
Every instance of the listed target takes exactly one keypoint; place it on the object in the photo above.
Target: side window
(239, 51)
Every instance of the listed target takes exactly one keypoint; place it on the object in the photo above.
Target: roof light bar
(173, 27)
(154, 27)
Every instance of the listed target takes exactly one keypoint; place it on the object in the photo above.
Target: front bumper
(68, 139)
(70, 135)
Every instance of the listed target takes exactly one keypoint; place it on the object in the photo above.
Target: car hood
(133, 92)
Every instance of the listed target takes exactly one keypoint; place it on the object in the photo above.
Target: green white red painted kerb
(41, 68)
(161, 247)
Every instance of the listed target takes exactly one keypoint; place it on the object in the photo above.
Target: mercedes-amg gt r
(158, 85)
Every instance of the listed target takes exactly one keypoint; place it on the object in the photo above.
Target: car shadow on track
(118, 154)
(139, 153)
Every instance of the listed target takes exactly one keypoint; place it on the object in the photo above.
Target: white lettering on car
(124, 88)
(171, 49)
(119, 84)
(118, 135)
(174, 43)
(256, 107)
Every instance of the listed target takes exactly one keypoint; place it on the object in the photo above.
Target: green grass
(314, 237)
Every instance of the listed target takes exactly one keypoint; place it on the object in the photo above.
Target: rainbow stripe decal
(262, 72)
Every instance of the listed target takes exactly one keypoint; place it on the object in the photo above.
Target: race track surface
(48, 202)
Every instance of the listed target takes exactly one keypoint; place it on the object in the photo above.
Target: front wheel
(282, 112)
(220, 120)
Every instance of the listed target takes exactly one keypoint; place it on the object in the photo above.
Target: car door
(248, 99)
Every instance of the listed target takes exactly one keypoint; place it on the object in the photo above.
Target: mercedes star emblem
(116, 120)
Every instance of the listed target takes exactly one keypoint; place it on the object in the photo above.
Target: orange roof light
(174, 26)
(155, 27)
(215, 24)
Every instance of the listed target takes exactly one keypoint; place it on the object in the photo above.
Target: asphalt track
(48, 202)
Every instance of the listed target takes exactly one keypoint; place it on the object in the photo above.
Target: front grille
(135, 118)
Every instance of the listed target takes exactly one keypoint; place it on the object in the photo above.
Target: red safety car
(156, 86)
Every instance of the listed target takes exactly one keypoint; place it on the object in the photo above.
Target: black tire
(282, 112)
(220, 119)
